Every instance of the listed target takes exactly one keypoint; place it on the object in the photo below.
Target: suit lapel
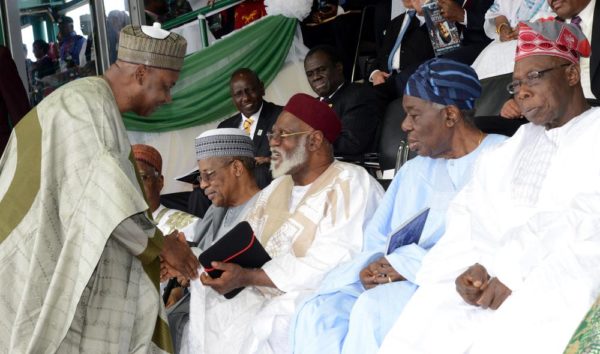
(237, 121)
(335, 99)
(262, 126)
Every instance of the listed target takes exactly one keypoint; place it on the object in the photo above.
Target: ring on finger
(389, 279)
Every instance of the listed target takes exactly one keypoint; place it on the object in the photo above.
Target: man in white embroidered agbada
(309, 219)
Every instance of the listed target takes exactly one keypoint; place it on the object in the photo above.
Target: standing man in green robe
(77, 245)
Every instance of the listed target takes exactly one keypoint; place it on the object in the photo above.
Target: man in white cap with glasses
(309, 219)
(226, 162)
(77, 243)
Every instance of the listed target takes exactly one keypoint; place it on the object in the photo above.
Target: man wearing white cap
(309, 219)
(226, 163)
(76, 241)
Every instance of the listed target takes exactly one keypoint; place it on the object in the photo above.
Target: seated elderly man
(525, 231)
(149, 166)
(226, 163)
(585, 14)
(359, 301)
(309, 219)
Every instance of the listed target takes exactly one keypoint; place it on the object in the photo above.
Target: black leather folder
(239, 246)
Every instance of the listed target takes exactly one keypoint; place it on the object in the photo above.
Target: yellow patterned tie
(247, 125)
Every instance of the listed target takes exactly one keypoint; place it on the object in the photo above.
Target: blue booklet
(409, 232)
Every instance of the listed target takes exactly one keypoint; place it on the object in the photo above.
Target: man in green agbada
(77, 246)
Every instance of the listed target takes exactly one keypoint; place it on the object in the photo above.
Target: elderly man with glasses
(226, 163)
(517, 267)
(309, 219)
(359, 301)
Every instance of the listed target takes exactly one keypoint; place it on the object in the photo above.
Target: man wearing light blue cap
(359, 301)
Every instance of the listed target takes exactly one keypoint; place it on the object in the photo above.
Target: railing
(201, 14)
(204, 12)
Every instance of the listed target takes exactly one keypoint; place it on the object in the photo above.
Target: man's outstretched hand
(477, 289)
(177, 258)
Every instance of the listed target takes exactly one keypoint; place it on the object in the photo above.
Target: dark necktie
(576, 20)
(326, 100)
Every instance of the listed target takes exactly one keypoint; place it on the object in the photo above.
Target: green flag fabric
(202, 93)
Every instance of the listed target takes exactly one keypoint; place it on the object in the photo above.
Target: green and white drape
(202, 93)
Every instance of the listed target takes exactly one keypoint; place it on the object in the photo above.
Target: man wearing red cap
(517, 267)
(585, 14)
(149, 167)
(309, 219)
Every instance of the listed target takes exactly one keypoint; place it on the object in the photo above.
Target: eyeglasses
(209, 175)
(532, 79)
(279, 135)
(146, 177)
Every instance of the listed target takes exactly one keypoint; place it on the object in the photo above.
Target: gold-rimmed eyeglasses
(280, 135)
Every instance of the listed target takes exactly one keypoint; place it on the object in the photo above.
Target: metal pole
(203, 31)
(100, 40)
(136, 11)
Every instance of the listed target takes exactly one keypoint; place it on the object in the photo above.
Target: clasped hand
(477, 288)
(177, 259)
(233, 277)
(379, 272)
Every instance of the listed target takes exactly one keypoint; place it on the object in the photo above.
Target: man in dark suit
(405, 46)
(586, 15)
(356, 105)
(256, 116)
(469, 16)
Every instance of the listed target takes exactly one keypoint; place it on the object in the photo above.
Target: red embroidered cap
(551, 37)
(147, 154)
(315, 113)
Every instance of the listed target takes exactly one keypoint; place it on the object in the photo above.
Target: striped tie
(247, 125)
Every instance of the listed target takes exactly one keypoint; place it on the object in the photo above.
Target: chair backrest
(391, 134)
(365, 45)
(402, 155)
(493, 95)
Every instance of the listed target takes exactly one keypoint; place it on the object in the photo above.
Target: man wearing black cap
(309, 219)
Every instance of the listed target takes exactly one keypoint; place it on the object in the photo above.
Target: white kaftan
(325, 229)
(531, 216)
